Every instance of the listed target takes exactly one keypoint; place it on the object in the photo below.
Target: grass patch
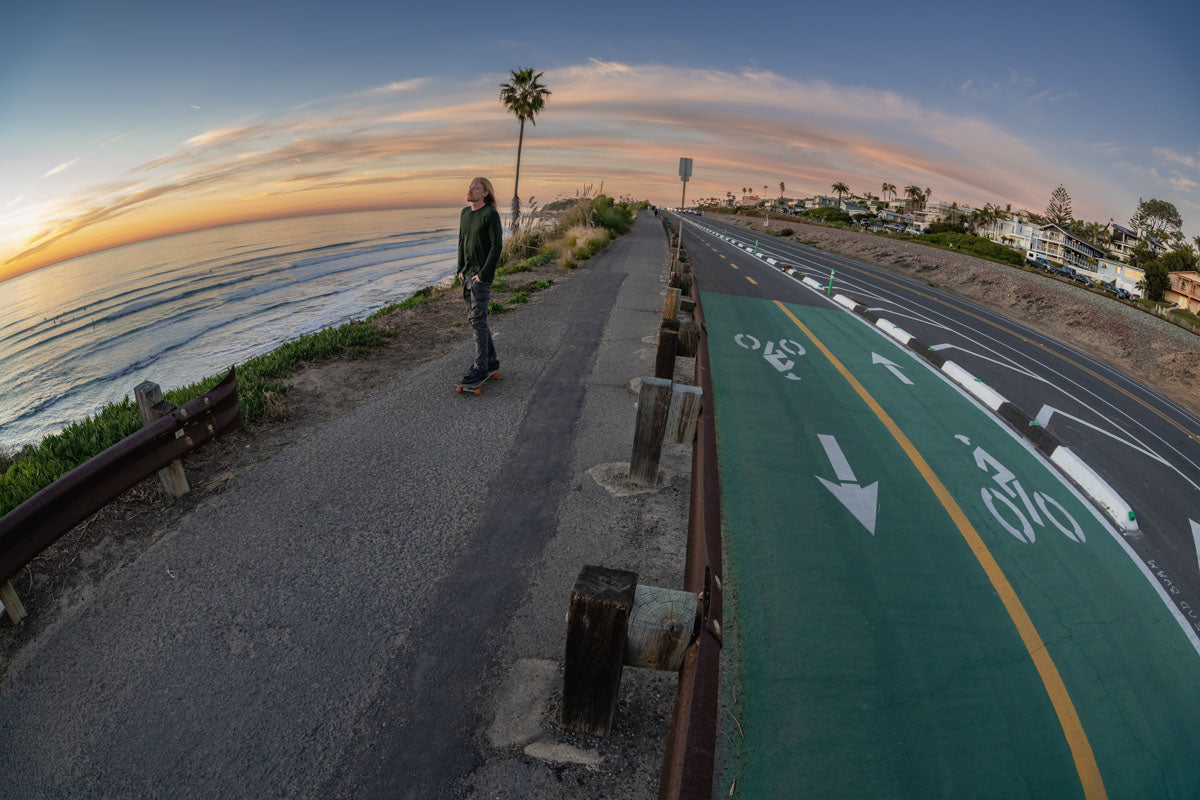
(540, 285)
(1183, 315)
(419, 298)
(496, 307)
(972, 245)
(519, 297)
(260, 391)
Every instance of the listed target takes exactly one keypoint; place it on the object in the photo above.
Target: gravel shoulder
(1163, 356)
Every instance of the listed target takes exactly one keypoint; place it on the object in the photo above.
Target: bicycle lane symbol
(1016, 510)
(774, 353)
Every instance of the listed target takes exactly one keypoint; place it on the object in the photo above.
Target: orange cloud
(413, 143)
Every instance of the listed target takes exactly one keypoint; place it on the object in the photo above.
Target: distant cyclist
(480, 237)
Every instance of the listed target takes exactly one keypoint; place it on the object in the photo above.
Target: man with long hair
(480, 238)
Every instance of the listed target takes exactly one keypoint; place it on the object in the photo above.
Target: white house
(1015, 232)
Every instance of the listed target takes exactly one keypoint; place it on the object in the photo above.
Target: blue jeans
(476, 295)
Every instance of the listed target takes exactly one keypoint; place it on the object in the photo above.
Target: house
(1016, 232)
(1120, 275)
(751, 199)
(1123, 240)
(1064, 248)
(1184, 291)
(854, 209)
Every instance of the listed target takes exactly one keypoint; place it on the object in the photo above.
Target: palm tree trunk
(516, 201)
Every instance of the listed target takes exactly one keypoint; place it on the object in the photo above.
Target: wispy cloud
(63, 167)
(606, 120)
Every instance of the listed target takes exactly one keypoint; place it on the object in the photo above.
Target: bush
(828, 215)
(946, 227)
(781, 232)
(495, 307)
(616, 218)
(974, 245)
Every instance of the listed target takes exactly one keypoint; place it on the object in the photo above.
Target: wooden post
(597, 624)
(687, 305)
(12, 603)
(654, 402)
(689, 339)
(664, 359)
(151, 407)
(681, 417)
(661, 625)
(671, 305)
(675, 280)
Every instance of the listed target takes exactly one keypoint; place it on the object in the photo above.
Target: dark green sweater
(480, 238)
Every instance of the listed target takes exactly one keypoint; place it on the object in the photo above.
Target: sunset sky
(123, 120)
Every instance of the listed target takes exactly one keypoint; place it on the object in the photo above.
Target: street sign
(685, 169)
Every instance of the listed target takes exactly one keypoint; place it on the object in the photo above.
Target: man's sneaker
(474, 378)
(493, 366)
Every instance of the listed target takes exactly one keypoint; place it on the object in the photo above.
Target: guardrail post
(654, 404)
(661, 626)
(684, 411)
(597, 625)
(12, 603)
(671, 305)
(151, 407)
(689, 339)
(668, 348)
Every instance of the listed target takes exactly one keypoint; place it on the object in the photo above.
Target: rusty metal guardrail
(37, 523)
(687, 772)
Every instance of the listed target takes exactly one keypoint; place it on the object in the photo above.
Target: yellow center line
(1027, 340)
(752, 280)
(1068, 718)
(720, 255)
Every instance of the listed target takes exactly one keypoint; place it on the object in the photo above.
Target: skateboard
(476, 388)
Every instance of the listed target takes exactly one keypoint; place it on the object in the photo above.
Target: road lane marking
(892, 367)
(752, 280)
(1068, 717)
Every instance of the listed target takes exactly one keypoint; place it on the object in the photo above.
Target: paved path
(924, 608)
(335, 624)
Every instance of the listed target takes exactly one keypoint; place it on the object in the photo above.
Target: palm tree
(914, 193)
(889, 188)
(840, 189)
(525, 98)
(928, 192)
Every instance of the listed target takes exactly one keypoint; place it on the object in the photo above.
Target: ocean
(83, 333)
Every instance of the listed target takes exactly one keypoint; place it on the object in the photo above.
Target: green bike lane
(997, 641)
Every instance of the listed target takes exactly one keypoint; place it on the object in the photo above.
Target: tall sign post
(685, 172)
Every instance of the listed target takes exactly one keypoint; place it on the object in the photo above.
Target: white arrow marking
(1196, 537)
(833, 451)
(892, 367)
(859, 501)
(862, 502)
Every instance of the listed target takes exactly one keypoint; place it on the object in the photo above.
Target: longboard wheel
(458, 390)
(479, 391)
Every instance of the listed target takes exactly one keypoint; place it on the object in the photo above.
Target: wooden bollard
(597, 625)
(151, 407)
(683, 413)
(12, 603)
(654, 403)
(687, 305)
(689, 339)
(675, 280)
(671, 304)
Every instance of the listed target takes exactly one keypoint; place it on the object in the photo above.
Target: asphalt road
(924, 606)
(347, 619)
(1143, 444)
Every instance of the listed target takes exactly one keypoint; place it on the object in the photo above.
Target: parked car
(1083, 279)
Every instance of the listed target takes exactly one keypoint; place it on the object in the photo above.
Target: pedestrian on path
(479, 241)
